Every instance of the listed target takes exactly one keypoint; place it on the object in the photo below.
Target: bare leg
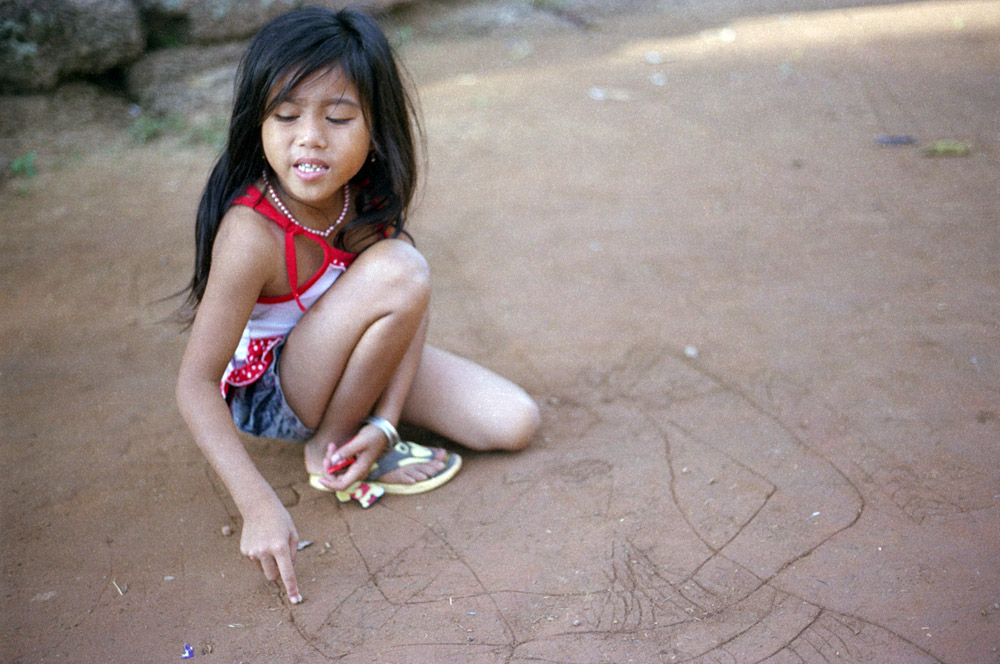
(470, 404)
(342, 355)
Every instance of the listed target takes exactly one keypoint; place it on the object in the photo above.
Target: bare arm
(243, 260)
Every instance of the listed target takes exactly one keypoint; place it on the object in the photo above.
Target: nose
(311, 132)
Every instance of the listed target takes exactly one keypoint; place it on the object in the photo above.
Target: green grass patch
(212, 133)
(24, 166)
(947, 148)
(149, 128)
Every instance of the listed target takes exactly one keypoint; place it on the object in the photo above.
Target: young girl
(309, 298)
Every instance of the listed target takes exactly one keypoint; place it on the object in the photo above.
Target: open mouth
(309, 168)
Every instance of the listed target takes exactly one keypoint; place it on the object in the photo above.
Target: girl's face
(317, 139)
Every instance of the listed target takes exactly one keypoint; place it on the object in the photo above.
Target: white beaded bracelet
(385, 426)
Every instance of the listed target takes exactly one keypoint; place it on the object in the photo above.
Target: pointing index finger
(287, 571)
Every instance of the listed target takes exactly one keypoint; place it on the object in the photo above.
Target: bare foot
(421, 464)
(417, 467)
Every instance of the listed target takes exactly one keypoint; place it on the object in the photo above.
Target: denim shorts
(260, 408)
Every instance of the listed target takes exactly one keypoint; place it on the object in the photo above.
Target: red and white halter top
(274, 317)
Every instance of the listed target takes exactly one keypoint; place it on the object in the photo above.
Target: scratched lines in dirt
(665, 546)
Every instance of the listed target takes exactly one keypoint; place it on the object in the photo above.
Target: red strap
(258, 202)
(293, 267)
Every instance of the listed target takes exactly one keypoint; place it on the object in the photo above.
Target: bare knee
(519, 426)
(396, 269)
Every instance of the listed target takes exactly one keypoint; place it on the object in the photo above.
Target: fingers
(287, 572)
(336, 466)
(331, 456)
(270, 568)
(356, 446)
(365, 447)
(279, 564)
(351, 474)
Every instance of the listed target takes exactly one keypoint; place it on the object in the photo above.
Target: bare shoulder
(247, 230)
(245, 256)
(247, 242)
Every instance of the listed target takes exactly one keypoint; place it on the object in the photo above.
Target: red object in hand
(340, 465)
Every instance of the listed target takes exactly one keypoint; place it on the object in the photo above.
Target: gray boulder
(45, 41)
(211, 21)
(194, 82)
(42, 41)
(173, 22)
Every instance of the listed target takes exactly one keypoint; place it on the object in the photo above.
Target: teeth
(310, 168)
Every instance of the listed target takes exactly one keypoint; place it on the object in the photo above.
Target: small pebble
(303, 544)
(227, 530)
(947, 148)
(690, 352)
(576, 623)
(608, 94)
(895, 139)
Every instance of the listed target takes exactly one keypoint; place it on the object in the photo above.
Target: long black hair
(289, 49)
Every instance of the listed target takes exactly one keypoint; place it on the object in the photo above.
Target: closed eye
(285, 118)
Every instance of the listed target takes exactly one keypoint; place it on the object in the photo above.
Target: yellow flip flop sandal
(400, 454)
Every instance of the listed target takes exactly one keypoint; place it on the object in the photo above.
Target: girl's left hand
(366, 446)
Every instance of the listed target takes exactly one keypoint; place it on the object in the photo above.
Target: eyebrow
(326, 102)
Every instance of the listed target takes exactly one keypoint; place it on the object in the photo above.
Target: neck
(325, 226)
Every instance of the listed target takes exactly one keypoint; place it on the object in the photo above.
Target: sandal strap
(385, 426)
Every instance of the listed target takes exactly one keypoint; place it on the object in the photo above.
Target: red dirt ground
(818, 482)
